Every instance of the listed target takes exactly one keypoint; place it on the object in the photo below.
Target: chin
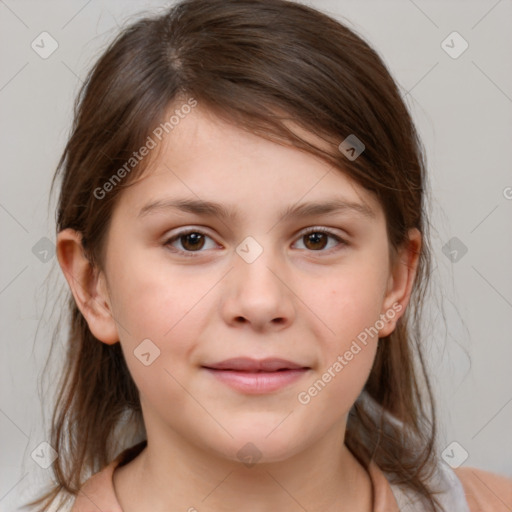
(259, 448)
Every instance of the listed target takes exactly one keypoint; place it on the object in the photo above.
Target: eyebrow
(214, 209)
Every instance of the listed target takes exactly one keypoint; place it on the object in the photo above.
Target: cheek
(332, 392)
(349, 304)
(349, 308)
(347, 377)
(161, 331)
(149, 297)
(157, 330)
(166, 305)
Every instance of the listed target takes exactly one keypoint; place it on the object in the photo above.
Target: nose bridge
(257, 291)
(256, 258)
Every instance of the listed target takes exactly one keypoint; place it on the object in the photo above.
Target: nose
(258, 293)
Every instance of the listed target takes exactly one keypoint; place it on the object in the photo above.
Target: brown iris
(196, 241)
(319, 240)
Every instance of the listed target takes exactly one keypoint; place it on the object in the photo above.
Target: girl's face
(251, 284)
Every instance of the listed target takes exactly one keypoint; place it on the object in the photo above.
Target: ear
(88, 286)
(400, 283)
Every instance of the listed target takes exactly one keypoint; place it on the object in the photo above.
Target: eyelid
(328, 231)
(183, 232)
(312, 229)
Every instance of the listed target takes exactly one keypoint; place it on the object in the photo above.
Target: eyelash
(193, 254)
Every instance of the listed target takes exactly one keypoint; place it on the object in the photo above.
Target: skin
(297, 300)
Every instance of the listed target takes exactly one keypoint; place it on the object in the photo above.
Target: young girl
(242, 226)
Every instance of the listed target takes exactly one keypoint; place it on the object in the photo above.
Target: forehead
(206, 158)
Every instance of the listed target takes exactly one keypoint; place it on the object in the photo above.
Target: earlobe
(400, 283)
(87, 285)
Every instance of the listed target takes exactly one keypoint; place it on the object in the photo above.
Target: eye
(316, 239)
(192, 240)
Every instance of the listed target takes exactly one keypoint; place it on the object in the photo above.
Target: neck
(180, 476)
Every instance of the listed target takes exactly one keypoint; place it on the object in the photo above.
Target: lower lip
(258, 383)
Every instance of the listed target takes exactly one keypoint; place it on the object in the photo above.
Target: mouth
(247, 364)
(252, 376)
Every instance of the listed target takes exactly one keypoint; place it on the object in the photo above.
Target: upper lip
(248, 364)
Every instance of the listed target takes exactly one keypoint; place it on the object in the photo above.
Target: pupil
(196, 237)
(192, 240)
(316, 238)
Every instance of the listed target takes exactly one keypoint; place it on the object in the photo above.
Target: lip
(248, 364)
(255, 383)
(253, 376)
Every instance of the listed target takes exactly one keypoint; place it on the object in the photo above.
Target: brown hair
(257, 64)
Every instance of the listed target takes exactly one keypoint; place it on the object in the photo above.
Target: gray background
(463, 110)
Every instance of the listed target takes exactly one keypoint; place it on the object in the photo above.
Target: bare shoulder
(485, 491)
